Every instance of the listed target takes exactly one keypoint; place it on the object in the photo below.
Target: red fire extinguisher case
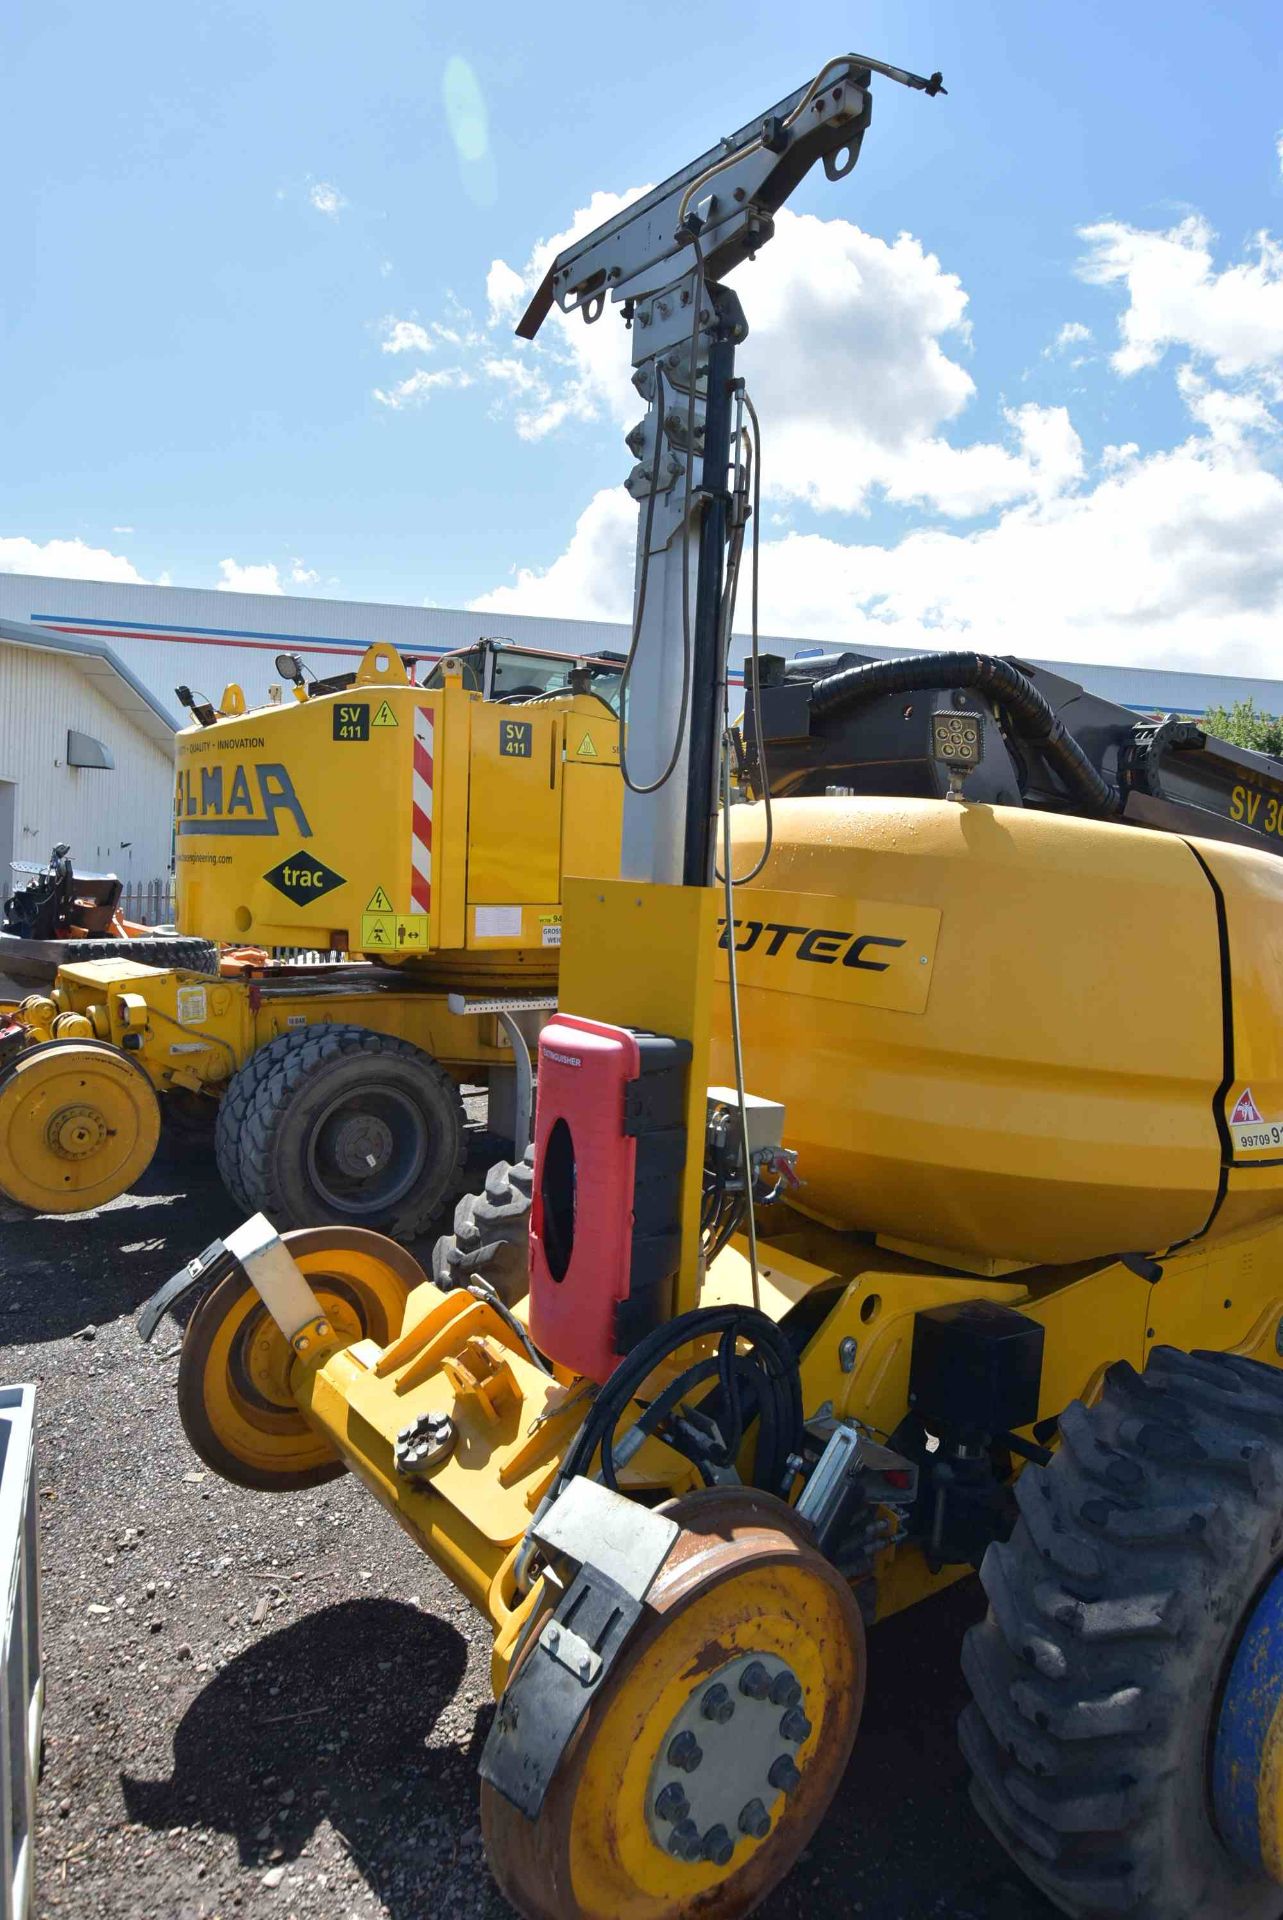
(610, 1151)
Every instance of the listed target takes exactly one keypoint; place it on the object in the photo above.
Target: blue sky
(223, 210)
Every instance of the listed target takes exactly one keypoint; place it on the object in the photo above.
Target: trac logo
(238, 800)
(303, 878)
(822, 946)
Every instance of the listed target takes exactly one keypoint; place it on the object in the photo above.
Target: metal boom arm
(663, 259)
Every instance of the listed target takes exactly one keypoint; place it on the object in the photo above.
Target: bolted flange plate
(728, 1759)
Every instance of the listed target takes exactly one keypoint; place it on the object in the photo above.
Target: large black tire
(233, 1110)
(153, 950)
(187, 1122)
(1113, 1613)
(491, 1235)
(313, 1104)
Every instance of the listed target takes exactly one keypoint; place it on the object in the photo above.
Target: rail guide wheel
(713, 1748)
(79, 1122)
(234, 1395)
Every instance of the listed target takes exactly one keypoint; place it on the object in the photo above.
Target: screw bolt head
(755, 1821)
(784, 1774)
(671, 1803)
(795, 1725)
(684, 1841)
(785, 1691)
(755, 1681)
(685, 1752)
(717, 1704)
(718, 1845)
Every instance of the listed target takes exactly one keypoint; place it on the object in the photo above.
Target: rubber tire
(271, 1174)
(1114, 1610)
(233, 1111)
(491, 1235)
(173, 951)
(187, 1123)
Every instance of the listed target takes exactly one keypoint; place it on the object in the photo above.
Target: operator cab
(498, 670)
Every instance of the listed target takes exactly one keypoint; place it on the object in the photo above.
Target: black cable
(774, 1370)
(1031, 716)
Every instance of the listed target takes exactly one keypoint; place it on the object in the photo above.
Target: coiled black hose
(766, 1376)
(1030, 715)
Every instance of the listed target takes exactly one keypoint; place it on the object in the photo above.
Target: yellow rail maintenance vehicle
(420, 830)
(907, 1198)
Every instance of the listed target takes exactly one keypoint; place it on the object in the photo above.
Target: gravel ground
(274, 1706)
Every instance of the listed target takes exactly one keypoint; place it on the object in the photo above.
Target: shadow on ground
(329, 1720)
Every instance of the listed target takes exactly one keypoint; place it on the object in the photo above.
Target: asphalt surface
(273, 1705)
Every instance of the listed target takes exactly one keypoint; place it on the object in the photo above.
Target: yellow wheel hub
(713, 1748)
(235, 1370)
(79, 1124)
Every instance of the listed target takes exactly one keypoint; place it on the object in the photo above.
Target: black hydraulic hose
(1031, 716)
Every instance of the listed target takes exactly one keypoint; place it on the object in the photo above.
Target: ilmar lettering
(238, 800)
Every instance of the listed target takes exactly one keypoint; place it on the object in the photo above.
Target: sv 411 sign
(352, 720)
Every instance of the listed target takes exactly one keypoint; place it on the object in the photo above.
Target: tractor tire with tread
(1114, 1611)
(300, 1082)
(175, 952)
(491, 1236)
(233, 1109)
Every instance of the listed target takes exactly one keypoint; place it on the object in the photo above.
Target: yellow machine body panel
(998, 1033)
(408, 824)
(189, 1030)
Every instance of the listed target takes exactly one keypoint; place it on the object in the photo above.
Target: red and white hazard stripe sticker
(421, 814)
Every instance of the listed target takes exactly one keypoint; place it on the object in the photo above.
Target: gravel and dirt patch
(273, 1706)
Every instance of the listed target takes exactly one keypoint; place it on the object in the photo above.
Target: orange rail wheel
(715, 1744)
(234, 1396)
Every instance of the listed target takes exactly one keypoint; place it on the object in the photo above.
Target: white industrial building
(104, 659)
(86, 756)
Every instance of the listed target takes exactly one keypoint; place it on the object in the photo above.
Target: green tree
(1245, 725)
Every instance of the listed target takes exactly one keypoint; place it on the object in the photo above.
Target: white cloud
(65, 560)
(505, 292)
(414, 391)
(122, 529)
(301, 576)
(257, 577)
(1175, 296)
(326, 198)
(1174, 560)
(405, 336)
(592, 579)
(839, 313)
(857, 359)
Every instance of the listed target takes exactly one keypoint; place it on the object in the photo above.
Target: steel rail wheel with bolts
(234, 1395)
(715, 1744)
(79, 1123)
(1126, 1739)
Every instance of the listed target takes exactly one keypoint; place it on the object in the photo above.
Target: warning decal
(378, 930)
(384, 717)
(586, 748)
(1251, 1132)
(378, 902)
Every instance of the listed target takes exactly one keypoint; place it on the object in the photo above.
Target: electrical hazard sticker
(385, 717)
(378, 902)
(1250, 1131)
